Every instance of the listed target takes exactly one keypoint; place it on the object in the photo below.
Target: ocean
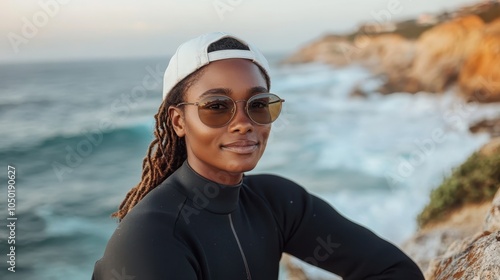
(76, 134)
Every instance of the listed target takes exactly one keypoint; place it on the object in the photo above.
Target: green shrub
(476, 180)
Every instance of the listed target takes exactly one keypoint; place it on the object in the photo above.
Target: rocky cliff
(479, 78)
(463, 51)
(442, 50)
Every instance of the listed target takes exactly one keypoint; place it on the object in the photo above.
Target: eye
(259, 104)
(216, 104)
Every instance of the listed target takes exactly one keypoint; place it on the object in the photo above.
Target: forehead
(235, 75)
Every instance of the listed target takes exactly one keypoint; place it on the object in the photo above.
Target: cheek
(200, 135)
(264, 132)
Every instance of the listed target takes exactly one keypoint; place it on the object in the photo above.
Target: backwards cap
(193, 54)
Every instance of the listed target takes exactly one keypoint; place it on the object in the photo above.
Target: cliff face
(390, 56)
(441, 51)
(480, 75)
(463, 51)
(329, 49)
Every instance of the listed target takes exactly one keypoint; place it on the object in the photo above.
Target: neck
(222, 177)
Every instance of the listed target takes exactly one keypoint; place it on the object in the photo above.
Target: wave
(54, 145)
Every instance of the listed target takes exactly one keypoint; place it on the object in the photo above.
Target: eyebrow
(229, 92)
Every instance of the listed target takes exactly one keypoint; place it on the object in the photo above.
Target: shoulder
(267, 184)
(147, 231)
(277, 190)
(272, 183)
(146, 242)
(289, 202)
(154, 216)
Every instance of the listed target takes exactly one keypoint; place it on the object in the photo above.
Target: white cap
(193, 54)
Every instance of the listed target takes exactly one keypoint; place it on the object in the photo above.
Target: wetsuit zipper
(249, 276)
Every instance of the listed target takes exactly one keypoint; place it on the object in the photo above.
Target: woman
(195, 215)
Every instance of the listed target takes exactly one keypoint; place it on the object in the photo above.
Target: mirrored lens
(264, 108)
(216, 110)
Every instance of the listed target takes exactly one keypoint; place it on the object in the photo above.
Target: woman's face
(222, 154)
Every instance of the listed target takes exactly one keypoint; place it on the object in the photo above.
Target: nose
(241, 122)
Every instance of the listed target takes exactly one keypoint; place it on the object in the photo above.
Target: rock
(489, 126)
(358, 92)
(391, 55)
(293, 271)
(330, 49)
(492, 221)
(479, 78)
(491, 148)
(384, 52)
(381, 52)
(462, 247)
(480, 260)
(441, 51)
(475, 257)
(434, 239)
(299, 270)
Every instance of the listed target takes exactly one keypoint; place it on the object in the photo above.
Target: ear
(177, 119)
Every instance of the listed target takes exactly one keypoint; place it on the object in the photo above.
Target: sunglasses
(219, 110)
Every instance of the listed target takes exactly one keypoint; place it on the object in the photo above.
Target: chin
(240, 165)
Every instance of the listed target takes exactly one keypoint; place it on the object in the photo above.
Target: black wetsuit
(192, 228)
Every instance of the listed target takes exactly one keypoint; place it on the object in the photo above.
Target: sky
(54, 30)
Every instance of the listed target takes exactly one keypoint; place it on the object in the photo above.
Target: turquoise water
(76, 132)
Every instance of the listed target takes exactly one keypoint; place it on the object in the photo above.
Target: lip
(241, 146)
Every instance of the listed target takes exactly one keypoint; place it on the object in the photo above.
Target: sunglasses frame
(233, 110)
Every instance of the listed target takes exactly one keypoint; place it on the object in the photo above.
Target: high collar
(206, 194)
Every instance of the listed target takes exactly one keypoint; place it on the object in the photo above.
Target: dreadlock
(167, 151)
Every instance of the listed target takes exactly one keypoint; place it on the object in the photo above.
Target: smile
(241, 147)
